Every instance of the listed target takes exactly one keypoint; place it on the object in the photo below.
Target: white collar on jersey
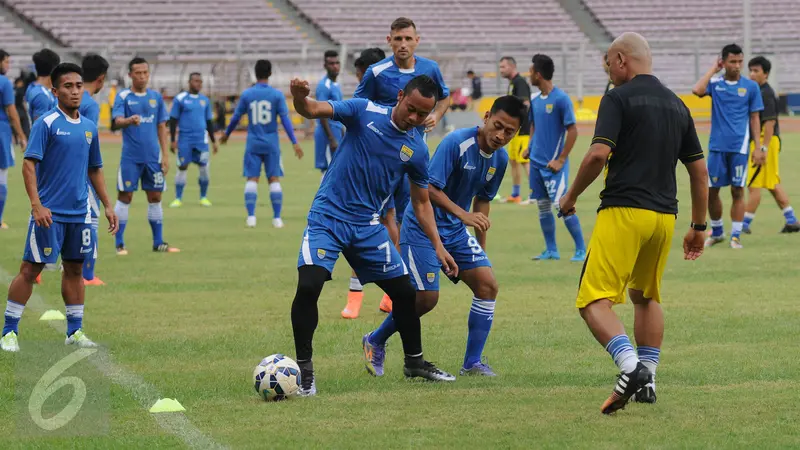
(396, 127)
(69, 119)
(485, 155)
(139, 94)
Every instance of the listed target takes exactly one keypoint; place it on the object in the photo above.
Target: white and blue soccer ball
(276, 377)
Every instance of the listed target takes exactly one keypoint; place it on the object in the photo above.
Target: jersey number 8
(261, 112)
(86, 237)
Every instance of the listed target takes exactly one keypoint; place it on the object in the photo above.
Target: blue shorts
(367, 248)
(727, 169)
(130, 173)
(6, 150)
(545, 183)
(73, 241)
(192, 153)
(425, 267)
(273, 166)
(322, 151)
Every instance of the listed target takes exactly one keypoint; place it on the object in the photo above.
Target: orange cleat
(386, 304)
(516, 199)
(38, 279)
(3, 226)
(353, 307)
(93, 282)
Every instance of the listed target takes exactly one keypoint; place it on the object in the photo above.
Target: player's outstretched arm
(700, 87)
(591, 167)
(307, 107)
(98, 181)
(423, 210)
(475, 219)
(693, 243)
(481, 206)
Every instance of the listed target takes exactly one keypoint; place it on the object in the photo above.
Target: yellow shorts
(629, 247)
(516, 147)
(766, 176)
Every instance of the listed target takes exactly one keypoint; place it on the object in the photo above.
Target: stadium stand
(14, 39)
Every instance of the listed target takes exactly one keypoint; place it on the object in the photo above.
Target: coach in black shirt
(643, 129)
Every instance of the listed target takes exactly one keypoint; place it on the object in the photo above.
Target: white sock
(74, 310)
(14, 309)
(180, 177)
(736, 227)
(121, 210)
(154, 212)
(355, 284)
(750, 216)
(275, 187)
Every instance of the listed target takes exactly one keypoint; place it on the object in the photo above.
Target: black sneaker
(747, 230)
(646, 394)
(308, 386)
(121, 250)
(165, 248)
(627, 385)
(426, 370)
(791, 228)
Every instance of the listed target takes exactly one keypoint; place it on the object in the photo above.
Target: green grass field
(193, 326)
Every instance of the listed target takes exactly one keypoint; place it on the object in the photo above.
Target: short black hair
(263, 69)
(401, 23)
(511, 105)
(469, 72)
(369, 57)
(509, 59)
(543, 65)
(3, 54)
(137, 60)
(45, 60)
(331, 54)
(195, 74)
(425, 85)
(764, 63)
(63, 69)
(731, 49)
(93, 66)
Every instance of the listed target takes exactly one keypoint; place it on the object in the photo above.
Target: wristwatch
(764, 148)
(699, 226)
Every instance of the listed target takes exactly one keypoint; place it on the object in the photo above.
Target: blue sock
(179, 191)
(621, 350)
(13, 314)
(515, 190)
(788, 213)
(250, 197)
(574, 227)
(89, 262)
(276, 197)
(481, 316)
(3, 195)
(155, 215)
(121, 210)
(180, 183)
(74, 318)
(649, 357)
(203, 181)
(748, 219)
(548, 223)
(717, 228)
(383, 332)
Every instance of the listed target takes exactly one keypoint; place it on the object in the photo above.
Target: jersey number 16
(261, 112)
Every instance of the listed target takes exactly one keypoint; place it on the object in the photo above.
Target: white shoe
(525, 202)
(735, 243)
(9, 342)
(251, 221)
(80, 339)
(714, 240)
(277, 223)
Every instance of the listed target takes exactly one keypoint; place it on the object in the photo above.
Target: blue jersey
(550, 116)
(731, 105)
(462, 171)
(65, 149)
(263, 104)
(7, 99)
(370, 162)
(140, 143)
(383, 80)
(40, 100)
(328, 90)
(89, 108)
(192, 111)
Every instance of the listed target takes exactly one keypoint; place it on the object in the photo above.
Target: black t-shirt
(770, 111)
(519, 88)
(477, 91)
(648, 129)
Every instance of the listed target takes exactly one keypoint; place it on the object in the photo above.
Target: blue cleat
(580, 256)
(374, 355)
(480, 368)
(546, 255)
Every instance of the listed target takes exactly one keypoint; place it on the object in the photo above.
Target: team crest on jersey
(88, 135)
(406, 153)
(714, 179)
(320, 253)
(153, 103)
(490, 173)
(127, 184)
(548, 108)
(430, 276)
(47, 251)
(742, 92)
(203, 103)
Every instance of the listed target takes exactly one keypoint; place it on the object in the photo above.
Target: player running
(380, 146)
(467, 169)
(39, 97)
(141, 114)
(9, 126)
(766, 175)
(735, 106)
(191, 113)
(263, 104)
(64, 150)
(94, 68)
(328, 133)
(553, 133)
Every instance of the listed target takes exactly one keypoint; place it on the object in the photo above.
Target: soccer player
(191, 113)
(94, 68)
(518, 87)
(766, 175)
(735, 106)
(467, 169)
(39, 97)
(262, 103)
(381, 144)
(63, 151)
(9, 126)
(327, 133)
(141, 114)
(553, 129)
(639, 146)
(367, 58)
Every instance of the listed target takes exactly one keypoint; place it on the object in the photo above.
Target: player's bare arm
(572, 135)
(333, 143)
(699, 88)
(527, 152)
(173, 131)
(481, 206)
(698, 181)
(390, 222)
(98, 181)
(760, 154)
(473, 219)
(423, 209)
(438, 112)
(125, 122)
(41, 215)
(16, 125)
(307, 107)
(162, 140)
(591, 167)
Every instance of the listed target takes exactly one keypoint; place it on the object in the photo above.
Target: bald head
(628, 56)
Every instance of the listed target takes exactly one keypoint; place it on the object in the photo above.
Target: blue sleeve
(444, 92)
(366, 89)
(119, 108)
(175, 111)
(40, 135)
(38, 103)
(286, 121)
(209, 113)
(443, 162)
(95, 159)
(162, 110)
(756, 102)
(241, 108)
(567, 113)
(417, 166)
(8, 92)
(490, 189)
(348, 111)
(93, 113)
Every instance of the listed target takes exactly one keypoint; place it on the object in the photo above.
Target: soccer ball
(276, 377)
